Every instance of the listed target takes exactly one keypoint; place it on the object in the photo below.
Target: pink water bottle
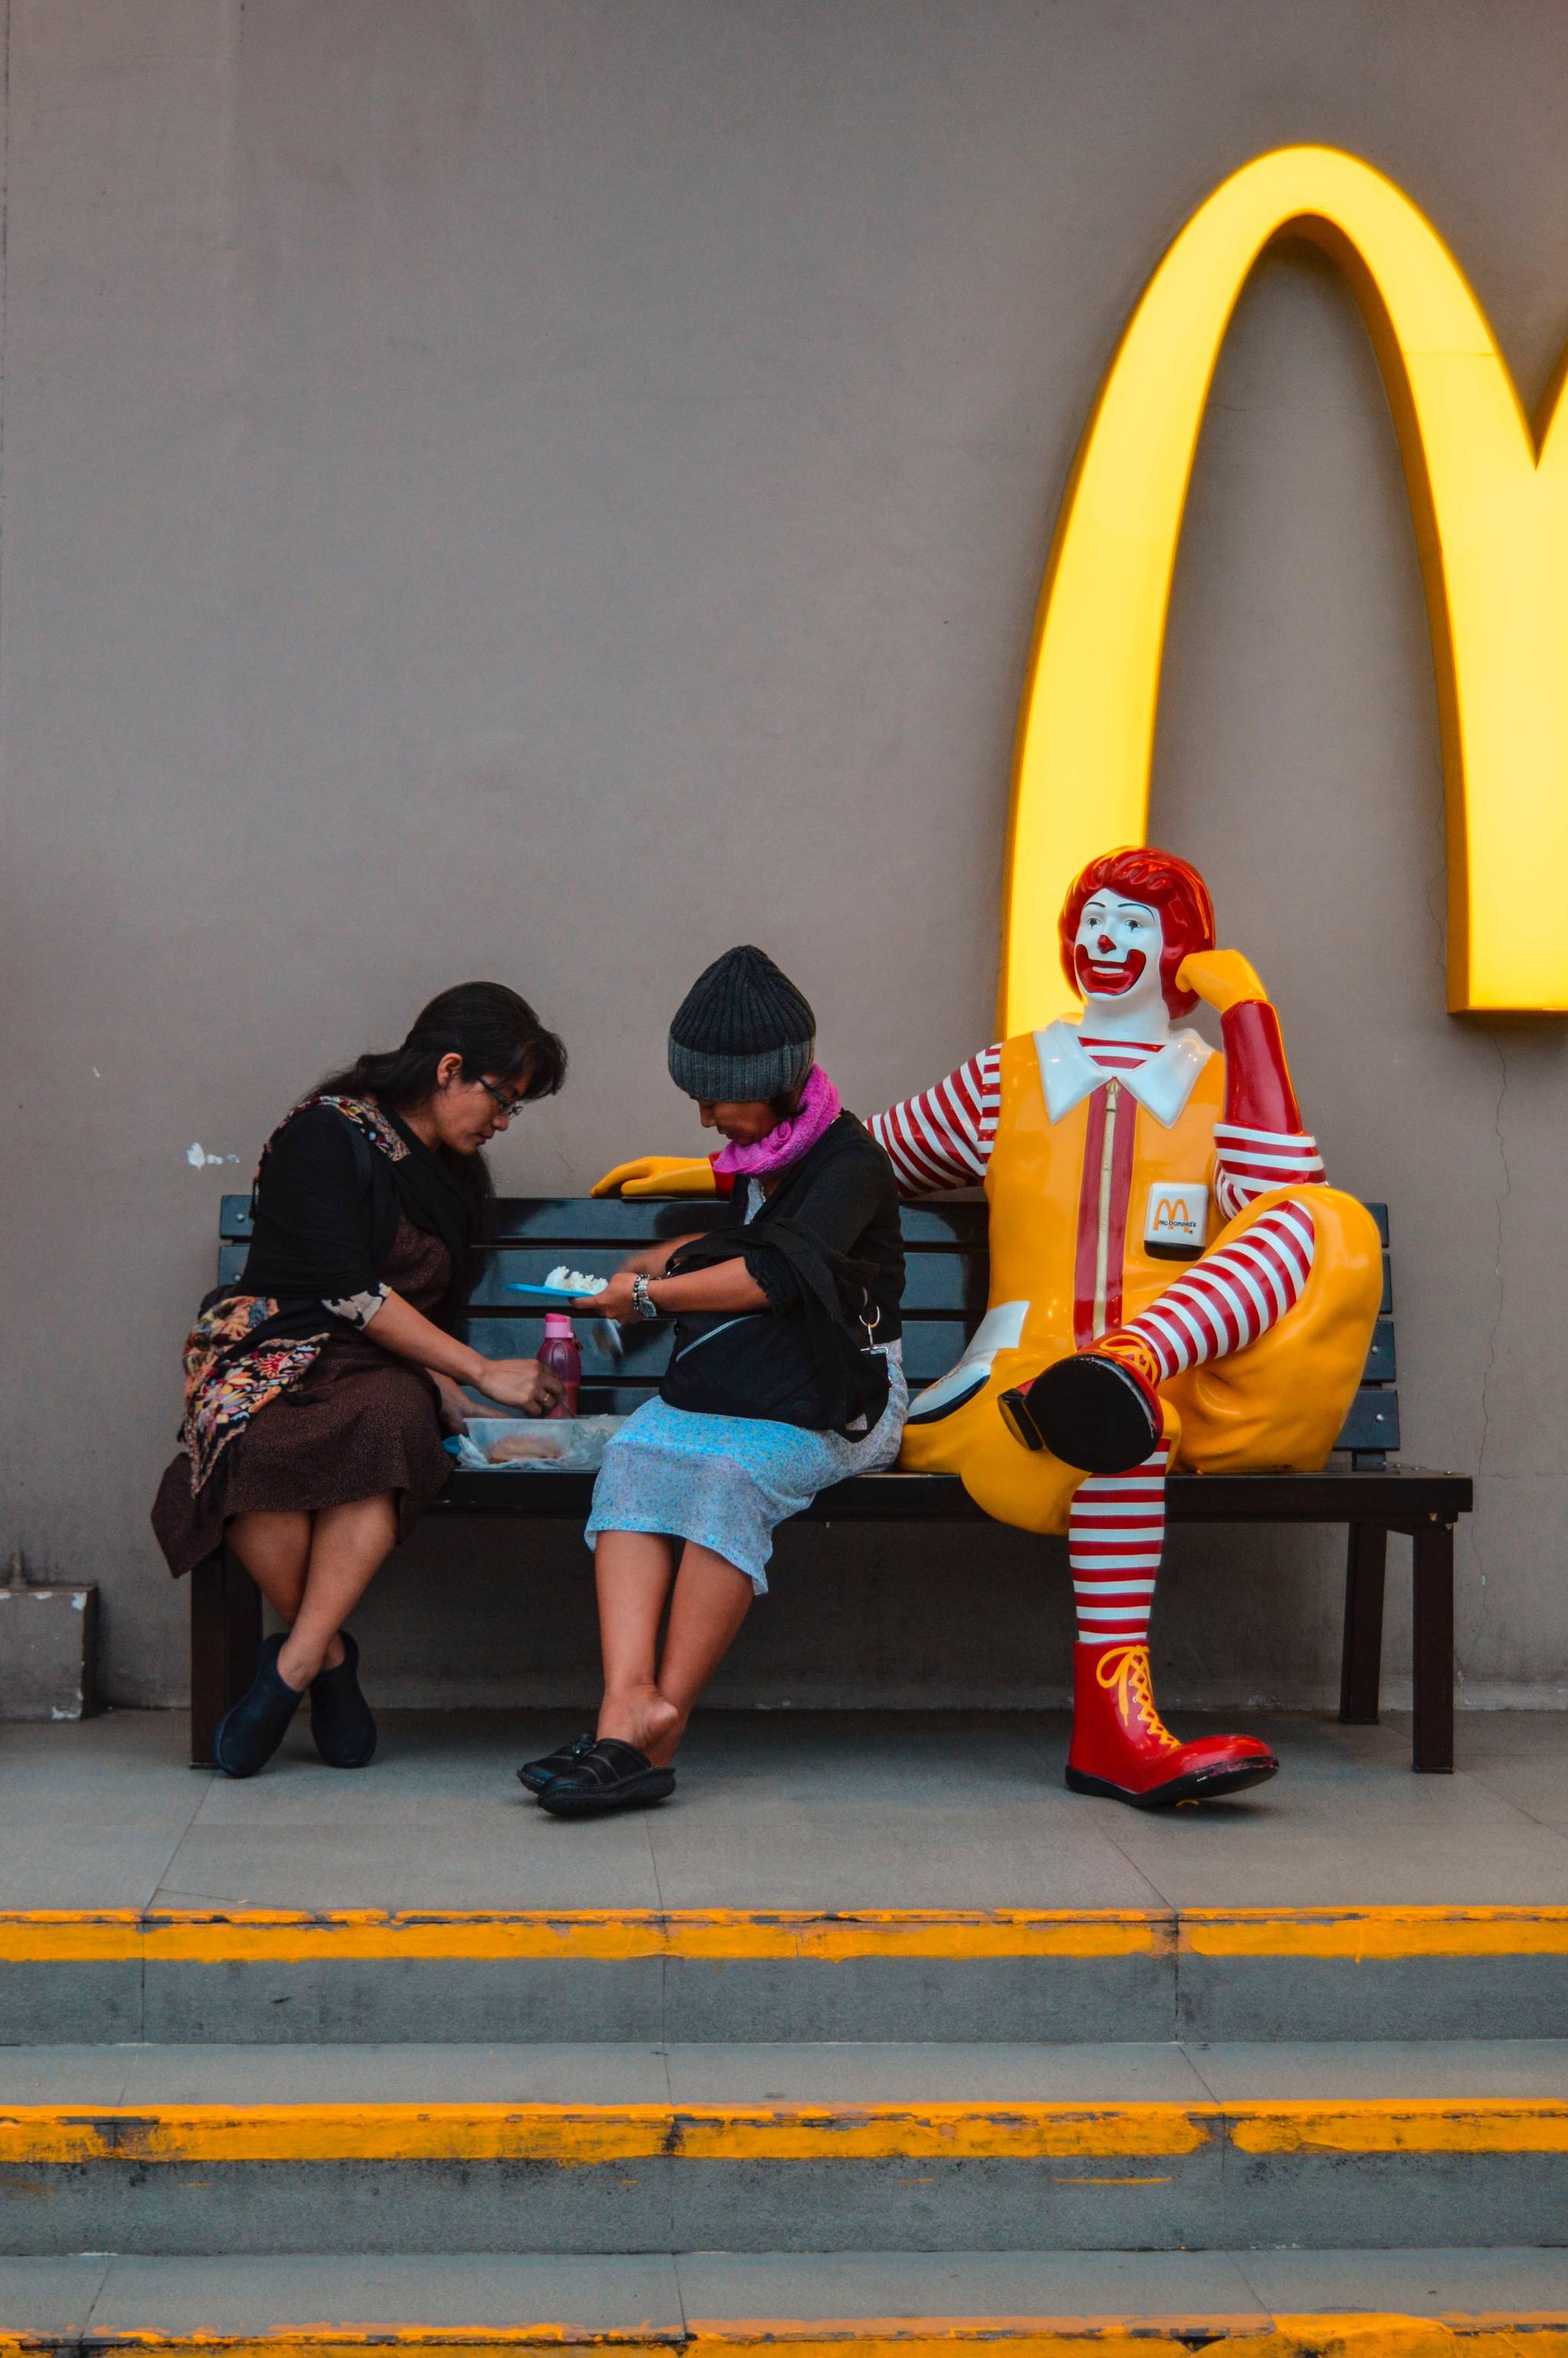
(561, 1352)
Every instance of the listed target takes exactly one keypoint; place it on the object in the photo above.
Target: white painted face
(1116, 958)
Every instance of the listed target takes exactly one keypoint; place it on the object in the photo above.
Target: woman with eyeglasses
(319, 1385)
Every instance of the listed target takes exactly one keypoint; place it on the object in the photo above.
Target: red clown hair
(1164, 883)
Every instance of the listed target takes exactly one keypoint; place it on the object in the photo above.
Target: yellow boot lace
(1126, 1668)
(1133, 1352)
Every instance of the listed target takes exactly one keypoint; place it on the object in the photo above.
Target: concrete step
(1406, 2304)
(852, 2147)
(734, 1973)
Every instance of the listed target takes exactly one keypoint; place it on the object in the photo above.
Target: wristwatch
(646, 1307)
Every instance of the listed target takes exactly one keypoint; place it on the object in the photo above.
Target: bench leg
(1433, 1747)
(225, 1631)
(1361, 1664)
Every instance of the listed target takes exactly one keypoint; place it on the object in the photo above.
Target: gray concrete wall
(547, 488)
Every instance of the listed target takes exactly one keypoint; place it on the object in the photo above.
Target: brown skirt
(358, 1424)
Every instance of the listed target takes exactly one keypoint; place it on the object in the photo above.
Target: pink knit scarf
(786, 1143)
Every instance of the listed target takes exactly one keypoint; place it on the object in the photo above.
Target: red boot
(1099, 1407)
(1123, 1750)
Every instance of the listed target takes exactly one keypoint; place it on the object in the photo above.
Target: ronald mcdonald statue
(1172, 1286)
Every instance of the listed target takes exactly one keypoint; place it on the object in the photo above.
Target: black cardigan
(327, 1207)
(827, 1248)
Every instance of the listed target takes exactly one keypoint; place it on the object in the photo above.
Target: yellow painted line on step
(66, 1936)
(1337, 2335)
(937, 2131)
(581, 2136)
(1475, 2124)
(1373, 1933)
(1368, 2335)
(574, 2134)
(291, 1936)
(298, 1936)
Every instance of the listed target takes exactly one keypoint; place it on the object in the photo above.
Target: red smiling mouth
(1101, 980)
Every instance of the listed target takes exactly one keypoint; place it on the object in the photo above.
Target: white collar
(1162, 1086)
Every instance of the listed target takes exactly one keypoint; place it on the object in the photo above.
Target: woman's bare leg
(632, 1573)
(275, 1548)
(348, 1544)
(711, 1599)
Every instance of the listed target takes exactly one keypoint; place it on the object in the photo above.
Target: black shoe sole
(1014, 1407)
(361, 1760)
(1202, 1785)
(581, 1802)
(1088, 1412)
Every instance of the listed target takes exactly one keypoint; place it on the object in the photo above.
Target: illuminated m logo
(1490, 505)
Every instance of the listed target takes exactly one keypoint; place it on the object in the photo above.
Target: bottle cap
(557, 1328)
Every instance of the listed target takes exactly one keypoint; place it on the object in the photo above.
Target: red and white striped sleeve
(943, 1137)
(1248, 1162)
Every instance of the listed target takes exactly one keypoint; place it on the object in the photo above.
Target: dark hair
(495, 1033)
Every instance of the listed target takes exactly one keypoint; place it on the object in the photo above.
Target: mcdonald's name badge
(1177, 1221)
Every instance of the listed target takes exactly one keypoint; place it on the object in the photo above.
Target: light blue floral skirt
(725, 1481)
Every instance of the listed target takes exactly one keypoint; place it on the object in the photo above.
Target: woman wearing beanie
(784, 1374)
(318, 1386)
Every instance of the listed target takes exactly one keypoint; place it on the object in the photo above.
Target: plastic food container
(558, 1445)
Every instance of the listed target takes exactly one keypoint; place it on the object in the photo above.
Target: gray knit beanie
(743, 1033)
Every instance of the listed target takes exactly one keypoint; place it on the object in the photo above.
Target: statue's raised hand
(1222, 979)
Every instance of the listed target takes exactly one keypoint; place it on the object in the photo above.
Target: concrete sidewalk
(779, 1809)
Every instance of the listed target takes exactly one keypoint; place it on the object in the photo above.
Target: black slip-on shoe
(341, 1719)
(252, 1729)
(608, 1776)
(536, 1774)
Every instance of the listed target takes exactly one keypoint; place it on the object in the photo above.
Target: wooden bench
(944, 1300)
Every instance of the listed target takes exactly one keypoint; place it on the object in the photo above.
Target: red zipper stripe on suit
(1088, 1223)
(1126, 1115)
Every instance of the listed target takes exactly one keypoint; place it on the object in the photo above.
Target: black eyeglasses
(505, 1107)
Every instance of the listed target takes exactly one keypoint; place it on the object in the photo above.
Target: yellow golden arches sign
(1491, 519)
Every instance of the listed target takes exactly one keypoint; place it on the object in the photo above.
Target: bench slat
(1374, 1420)
(954, 1281)
(577, 1220)
(1396, 1499)
(931, 1345)
(495, 1337)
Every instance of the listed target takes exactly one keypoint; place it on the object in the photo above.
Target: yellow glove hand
(1223, 978)
(659, 1174)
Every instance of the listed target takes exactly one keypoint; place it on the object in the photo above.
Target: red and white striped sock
(1116, 1536)
(1230, 1297)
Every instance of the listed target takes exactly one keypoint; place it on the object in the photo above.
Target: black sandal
(340, 1718)
(608, 1776)
(536, 1774)
(252, 1729)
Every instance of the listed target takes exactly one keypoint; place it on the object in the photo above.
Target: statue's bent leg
(1259, 1345)
(1281, 1401)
